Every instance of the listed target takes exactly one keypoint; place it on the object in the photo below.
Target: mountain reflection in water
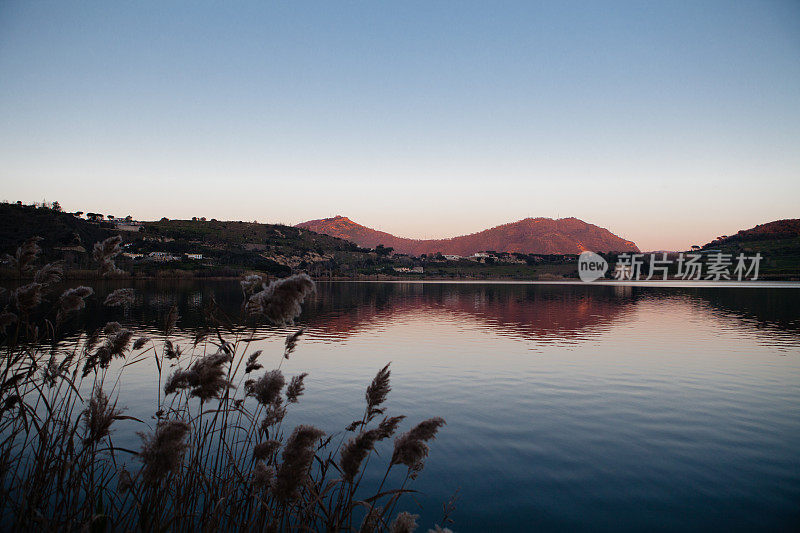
(529, 311)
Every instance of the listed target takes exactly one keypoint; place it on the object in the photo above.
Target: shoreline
(789, 282)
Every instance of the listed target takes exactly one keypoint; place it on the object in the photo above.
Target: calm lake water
(569, 407)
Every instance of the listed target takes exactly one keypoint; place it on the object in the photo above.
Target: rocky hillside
(528, 236)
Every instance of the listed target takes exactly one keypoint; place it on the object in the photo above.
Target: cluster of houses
(410, 270)
(126, 224)
(161, 257)
(482, 257)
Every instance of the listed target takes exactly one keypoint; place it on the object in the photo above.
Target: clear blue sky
(667, 122)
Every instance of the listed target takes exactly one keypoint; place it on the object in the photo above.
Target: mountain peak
(529, 235)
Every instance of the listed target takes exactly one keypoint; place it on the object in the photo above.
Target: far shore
(83, 275)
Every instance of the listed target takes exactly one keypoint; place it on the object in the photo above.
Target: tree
(109, 217)
(78, 213)
(56, 206)
(382, 250)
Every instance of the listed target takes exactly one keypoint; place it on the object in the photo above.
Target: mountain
(530, 235)
(778, 242)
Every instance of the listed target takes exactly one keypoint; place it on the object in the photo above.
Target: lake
(568, 406)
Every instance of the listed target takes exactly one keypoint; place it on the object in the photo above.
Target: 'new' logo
(591, 266)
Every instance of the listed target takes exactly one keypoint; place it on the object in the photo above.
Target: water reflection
(546, 313)
(643, 408)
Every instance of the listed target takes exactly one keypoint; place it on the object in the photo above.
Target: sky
(669, 123)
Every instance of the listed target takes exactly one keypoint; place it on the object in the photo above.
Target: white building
(194, 256)
(125, 224)
(412, 270)
(161, 256)
(480, 257)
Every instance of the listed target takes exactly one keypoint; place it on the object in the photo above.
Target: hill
(778, 242)
(57, 229)
(527, 236)
(226, 247)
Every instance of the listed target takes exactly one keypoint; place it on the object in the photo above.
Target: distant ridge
(788, 228)
(530, 235)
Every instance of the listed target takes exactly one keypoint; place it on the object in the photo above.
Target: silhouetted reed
(26, 255)
(404, 523)
(215, 453)
(74, 299)
(120, 297)
(280, 301)
(104, 253)
(163, 450)
(205, 379)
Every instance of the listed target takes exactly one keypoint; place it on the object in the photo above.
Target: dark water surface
(568, 407)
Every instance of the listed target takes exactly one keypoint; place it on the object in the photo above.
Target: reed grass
(217, 455)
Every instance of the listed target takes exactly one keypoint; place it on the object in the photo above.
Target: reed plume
(252, 362)
(115, 344)
(273, 414)
(28, 297)
(73, 300)
(358, 448)
(291, 342)
(411, 448)
(263, 450)
(99, 416)
(25, 256)
(162, 451)
(140, 342)
(267, 388)
(355, 451)
(118, 342)
(263, 475)
(206, 378)
(112, 327)
(50, 274)
(104, 253)
(172, 351)
(120, 297)
(250, 285)
(372, 520)
(404, 523)
(296, 388)
(280, 301)
(377, 392)
(297, 457)
(389, 425)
